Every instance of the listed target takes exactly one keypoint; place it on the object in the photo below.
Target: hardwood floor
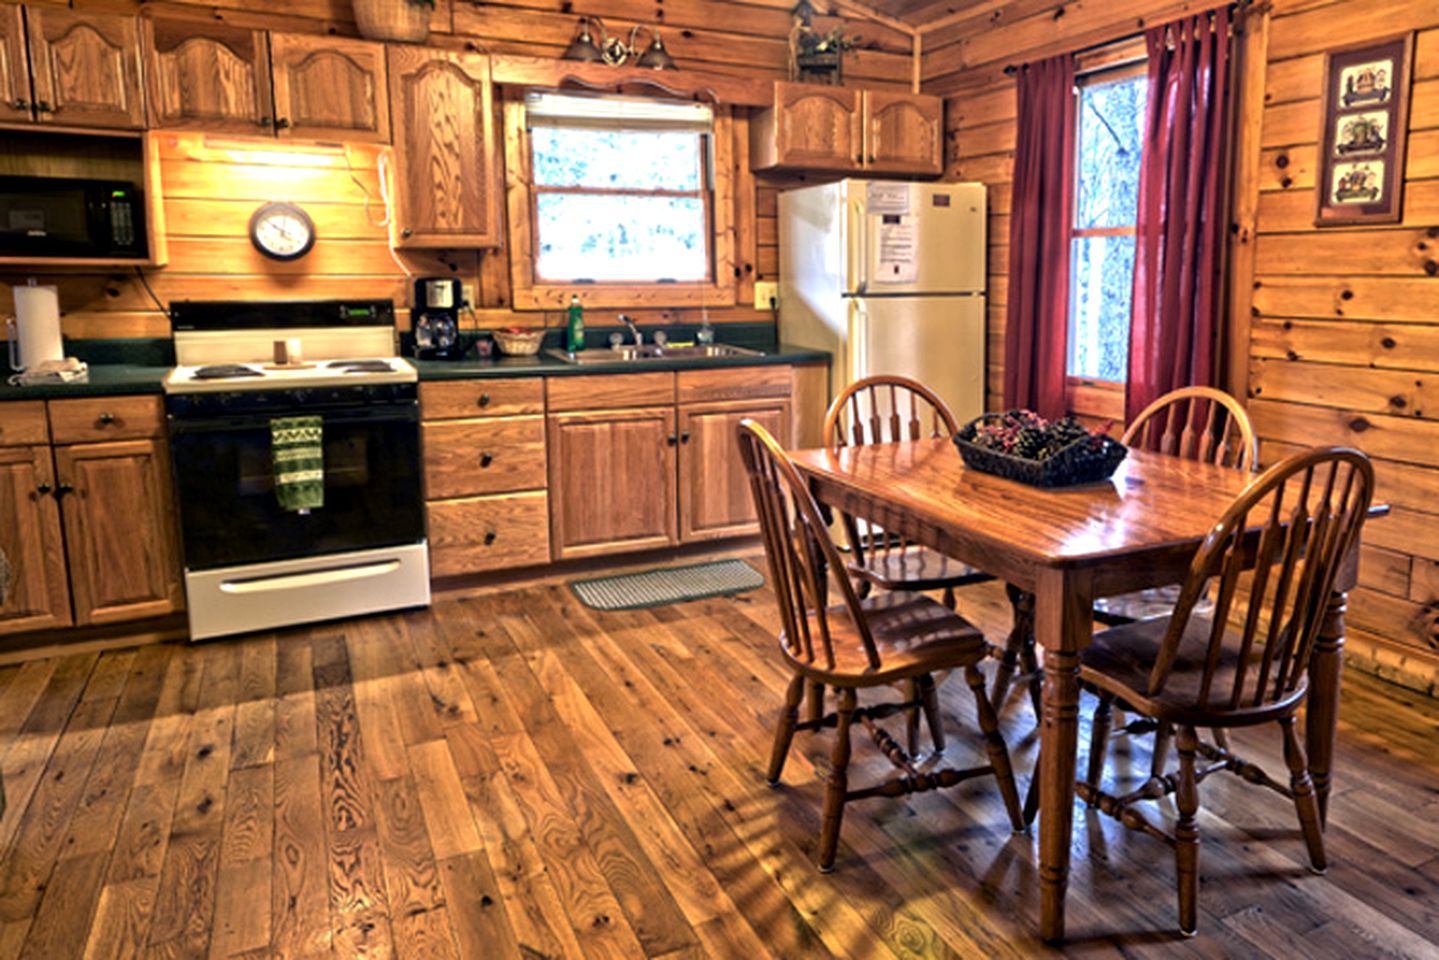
(513, 775)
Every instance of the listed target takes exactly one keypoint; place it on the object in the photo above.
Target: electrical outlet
(467, 290)
(766, 295)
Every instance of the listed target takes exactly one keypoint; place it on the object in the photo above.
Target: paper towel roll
(37, 314)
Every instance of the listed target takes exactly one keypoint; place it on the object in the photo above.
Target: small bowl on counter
(519, 343)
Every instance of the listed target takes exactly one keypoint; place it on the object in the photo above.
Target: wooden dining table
(1067, 546)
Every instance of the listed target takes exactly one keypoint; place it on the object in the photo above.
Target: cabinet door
(330, 88)
(30, 538)
(817, 127)
(445, 168)
(119, 530)
(86, 68)
(612, 481)
(208, 76)
(715, 499)
(904, 133)
(14, 68)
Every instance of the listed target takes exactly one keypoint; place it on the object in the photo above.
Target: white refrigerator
(889, 278)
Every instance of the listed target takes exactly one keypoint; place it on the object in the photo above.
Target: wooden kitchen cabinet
(715, 499)
(14, 66)
(478, 534)
(814, 127)
(329, 88)
(446, 175)
(119, 530)
(39, 597)
(85, 68)
(903, 133)
(612, 481)
(209, 76)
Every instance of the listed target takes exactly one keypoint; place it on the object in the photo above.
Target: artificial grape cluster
(1024, 433)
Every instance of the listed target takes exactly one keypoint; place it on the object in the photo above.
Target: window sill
(556, 296)
(1094, 399)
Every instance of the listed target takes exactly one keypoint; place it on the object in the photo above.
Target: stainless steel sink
(650, 351)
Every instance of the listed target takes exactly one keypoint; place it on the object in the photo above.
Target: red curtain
(1179, 251)
(1041, 215)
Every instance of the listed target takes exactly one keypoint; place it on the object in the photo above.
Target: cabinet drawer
(488, 533)
(106, 418)
(611, 392)
(742, 383)
(22, 422)
(465, 458)
(458, 399)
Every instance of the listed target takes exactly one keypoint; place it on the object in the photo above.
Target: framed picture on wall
(1361, 140)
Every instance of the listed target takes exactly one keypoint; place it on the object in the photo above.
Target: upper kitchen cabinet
(210, 76)
(84, 68)
(445, 169)
(903, 133)
(14, 67)
(812, 127)
(329, 88)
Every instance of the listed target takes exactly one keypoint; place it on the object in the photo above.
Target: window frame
(1091, 396)
(530, 291)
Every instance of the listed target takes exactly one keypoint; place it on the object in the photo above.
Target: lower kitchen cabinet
(478, 534)
(30, 538)
(612, 481)
(119, 530)
(715, 499)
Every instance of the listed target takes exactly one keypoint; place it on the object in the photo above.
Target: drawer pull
(484, 400)
(489, 537)
(486, 459)
(43, 489)
(105, 419)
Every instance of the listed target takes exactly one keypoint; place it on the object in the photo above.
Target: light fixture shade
(657, 57)
(583, 47)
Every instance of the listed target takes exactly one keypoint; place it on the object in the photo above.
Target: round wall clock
(282, 231)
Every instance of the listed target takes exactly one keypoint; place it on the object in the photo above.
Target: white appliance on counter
(888, 277)
(250, 563)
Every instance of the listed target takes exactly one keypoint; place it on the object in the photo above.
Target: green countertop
(106, 380)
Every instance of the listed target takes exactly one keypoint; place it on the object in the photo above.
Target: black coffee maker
(436, 318)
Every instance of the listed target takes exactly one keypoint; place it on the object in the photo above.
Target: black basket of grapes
(1021, 445)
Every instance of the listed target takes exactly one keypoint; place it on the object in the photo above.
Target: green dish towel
(297, 444)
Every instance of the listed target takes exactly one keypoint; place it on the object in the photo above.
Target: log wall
(211, 190)
(1337, 329)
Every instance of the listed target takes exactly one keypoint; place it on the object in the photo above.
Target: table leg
(1064, 604)
(1321, 721)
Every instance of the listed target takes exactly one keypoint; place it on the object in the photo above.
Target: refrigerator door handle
(858, 341)
(859, 247)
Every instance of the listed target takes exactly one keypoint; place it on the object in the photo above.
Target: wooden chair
(878, 641)
(888, 409)
(1195, 423)
(1293, 528)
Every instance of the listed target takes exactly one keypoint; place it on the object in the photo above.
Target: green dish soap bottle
(575, 332)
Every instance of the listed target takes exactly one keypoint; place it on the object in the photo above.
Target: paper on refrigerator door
(887, 198)
(898, 254)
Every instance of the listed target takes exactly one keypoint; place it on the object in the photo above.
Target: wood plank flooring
(513, 775)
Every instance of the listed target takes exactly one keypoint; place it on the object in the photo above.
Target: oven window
(231, 517)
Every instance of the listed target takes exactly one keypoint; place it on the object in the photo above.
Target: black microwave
(57, 217)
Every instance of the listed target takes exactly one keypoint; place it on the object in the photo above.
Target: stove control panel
(293, 402)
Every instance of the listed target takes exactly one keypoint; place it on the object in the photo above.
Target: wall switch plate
(467, 290)
(766, 295)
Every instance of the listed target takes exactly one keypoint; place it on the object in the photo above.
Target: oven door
(230, 516)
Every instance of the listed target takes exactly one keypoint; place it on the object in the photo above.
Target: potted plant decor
(407, 21)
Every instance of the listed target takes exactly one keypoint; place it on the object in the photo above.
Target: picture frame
(1363, 132)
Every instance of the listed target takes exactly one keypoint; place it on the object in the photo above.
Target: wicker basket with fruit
(1021, 445)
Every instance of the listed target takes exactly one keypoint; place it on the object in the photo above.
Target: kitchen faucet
(639, 337)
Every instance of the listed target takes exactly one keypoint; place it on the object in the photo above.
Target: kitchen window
(1109, 142)
(620, 199)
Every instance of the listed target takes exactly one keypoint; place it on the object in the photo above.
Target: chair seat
(914, 635)
(1120, 659)
(916, 568)
(1145, 605)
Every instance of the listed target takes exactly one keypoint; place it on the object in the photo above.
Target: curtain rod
(1239, 8)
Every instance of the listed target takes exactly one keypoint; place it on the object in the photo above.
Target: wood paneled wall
(1341, 324)
(211, 188)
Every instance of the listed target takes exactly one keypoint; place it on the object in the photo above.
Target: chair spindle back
(1197, 423)
(800, 553)
(1293, 527)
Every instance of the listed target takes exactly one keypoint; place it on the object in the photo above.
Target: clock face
(282, 231)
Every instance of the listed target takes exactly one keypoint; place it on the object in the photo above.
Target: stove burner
(225, 371)
(362, 366)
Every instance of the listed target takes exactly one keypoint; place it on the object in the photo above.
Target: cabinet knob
(43, 489)
(282, 123)
(486, 459)
(43, 106)
(872, 158)
(21, 104)
(671, 440)
(105, 419)
(63, 488)
(407, 233)
(263, 122)
(685, 437)
(484, 400)
(489, 537)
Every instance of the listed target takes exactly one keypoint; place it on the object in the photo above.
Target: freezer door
(939, 341)
(942, 226)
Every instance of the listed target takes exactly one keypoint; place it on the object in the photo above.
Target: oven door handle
(178, 425)
(310, 578)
